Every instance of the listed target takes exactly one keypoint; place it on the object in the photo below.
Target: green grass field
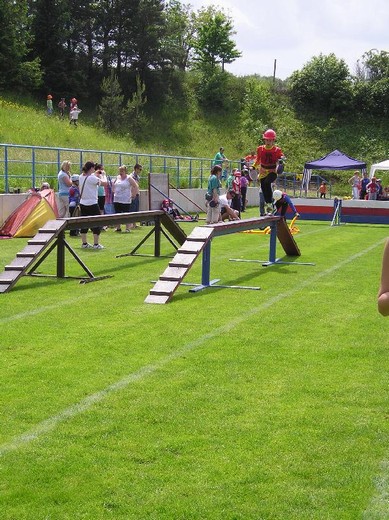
(224, 404)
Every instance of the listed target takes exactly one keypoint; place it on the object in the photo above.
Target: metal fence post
(6, 186)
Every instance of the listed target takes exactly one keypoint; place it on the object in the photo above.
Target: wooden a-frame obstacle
(51, 237)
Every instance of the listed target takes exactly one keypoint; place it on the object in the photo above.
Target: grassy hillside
(174, 132)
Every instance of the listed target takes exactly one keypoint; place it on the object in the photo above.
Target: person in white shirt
(123, 187)
(226, 212)
(74, 115)
(89, 181)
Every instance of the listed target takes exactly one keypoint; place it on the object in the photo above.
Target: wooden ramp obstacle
(171, 278)
(52, 236)
(199, 241)
(45, 239)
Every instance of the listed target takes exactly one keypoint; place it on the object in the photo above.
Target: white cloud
(294, 31)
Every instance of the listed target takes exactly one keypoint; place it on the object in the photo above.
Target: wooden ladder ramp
(26, 258)
(178, 267)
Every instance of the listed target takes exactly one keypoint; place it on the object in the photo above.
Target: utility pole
(274, 72)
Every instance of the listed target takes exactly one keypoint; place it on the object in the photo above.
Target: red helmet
(237, 173)
(165, 202)
(270, 134)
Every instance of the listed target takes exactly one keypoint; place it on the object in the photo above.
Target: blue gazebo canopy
(335, 160)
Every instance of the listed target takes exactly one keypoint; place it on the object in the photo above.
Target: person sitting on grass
(226, 212)
(168, 207)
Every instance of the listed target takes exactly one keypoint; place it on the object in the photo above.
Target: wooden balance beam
(278, 229)
(51, 237)
(159, 218)
(199, 241)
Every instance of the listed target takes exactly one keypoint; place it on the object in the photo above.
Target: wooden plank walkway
(171, 278)
(52, 236)
(199, 242)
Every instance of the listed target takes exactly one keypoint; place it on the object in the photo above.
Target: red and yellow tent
(32, 214)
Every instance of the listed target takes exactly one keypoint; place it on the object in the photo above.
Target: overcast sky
(293, 31)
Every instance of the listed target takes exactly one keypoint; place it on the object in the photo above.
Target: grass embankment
(225, 404)
(196, 134)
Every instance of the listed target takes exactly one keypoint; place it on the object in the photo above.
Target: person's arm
(67, 180)
(134, 186)
(383, 294)
(291, 205)
(102, 178)
(257, 161)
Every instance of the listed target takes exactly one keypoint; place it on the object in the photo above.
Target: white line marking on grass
(51, 423)
(378, 508)
(52, 307)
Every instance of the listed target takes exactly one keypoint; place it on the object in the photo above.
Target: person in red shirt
(372, 189)
(268, 157)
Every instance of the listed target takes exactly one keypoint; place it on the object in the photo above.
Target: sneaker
(98, 246)
(118, 230)
(87, 246)
(127, 230)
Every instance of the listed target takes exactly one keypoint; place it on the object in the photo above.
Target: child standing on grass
(49, 104)
(62, 106)
(74, 115)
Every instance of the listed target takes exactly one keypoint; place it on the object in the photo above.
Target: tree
(374, 65)
(15, 39)
(49, 22)
(135, 115)
(213, 44)
(257, 107)
(323, 84)
(111, 112)
(178, 40)
(148, 29)
(81, 45)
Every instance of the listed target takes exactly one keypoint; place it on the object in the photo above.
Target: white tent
(384, 165)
